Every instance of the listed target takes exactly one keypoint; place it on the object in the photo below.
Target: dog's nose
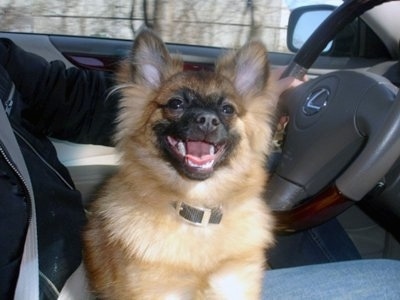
(207, 122)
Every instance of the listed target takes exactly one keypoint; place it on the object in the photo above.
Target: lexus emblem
(316, 101)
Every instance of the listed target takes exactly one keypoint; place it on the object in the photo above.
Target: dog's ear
(247, 68)
(150, 60)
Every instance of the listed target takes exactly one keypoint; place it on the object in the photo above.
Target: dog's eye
(228, 109)
(175, 104)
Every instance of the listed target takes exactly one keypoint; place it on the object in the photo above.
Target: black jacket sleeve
(69, 104)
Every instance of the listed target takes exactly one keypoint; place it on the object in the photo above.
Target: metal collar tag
(197, 215)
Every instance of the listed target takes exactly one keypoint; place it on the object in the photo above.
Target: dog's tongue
(198, 149)
(199, 154)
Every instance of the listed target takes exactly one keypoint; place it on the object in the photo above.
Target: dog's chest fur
(162, 236)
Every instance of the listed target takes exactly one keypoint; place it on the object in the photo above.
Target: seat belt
(28, 278)
(76, 287)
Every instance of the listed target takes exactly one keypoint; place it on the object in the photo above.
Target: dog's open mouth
(198, 157)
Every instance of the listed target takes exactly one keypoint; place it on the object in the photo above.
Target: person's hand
(283, 84)
(280, 86)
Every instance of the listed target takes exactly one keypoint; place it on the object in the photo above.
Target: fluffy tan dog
(183, 218)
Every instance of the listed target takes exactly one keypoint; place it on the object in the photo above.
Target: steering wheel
(342, 136)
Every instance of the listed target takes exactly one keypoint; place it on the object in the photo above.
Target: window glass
(222, 23)
(207, 22)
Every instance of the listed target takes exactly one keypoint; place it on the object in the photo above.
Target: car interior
(324, 154)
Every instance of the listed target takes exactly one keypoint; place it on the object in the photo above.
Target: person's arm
(68, 104)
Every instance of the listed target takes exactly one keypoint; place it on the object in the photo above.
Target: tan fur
(136, 245)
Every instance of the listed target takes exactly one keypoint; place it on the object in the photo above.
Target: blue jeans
(325, 243)
(359, 279)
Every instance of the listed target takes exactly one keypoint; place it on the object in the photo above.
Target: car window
(222, 23)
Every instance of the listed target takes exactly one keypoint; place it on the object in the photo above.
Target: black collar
(198, 216)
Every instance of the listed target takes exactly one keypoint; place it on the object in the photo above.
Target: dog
(183, 217)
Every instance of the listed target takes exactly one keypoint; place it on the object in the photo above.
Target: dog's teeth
(181, 148)
(204, 166)
(208, 165)
(212, 150)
